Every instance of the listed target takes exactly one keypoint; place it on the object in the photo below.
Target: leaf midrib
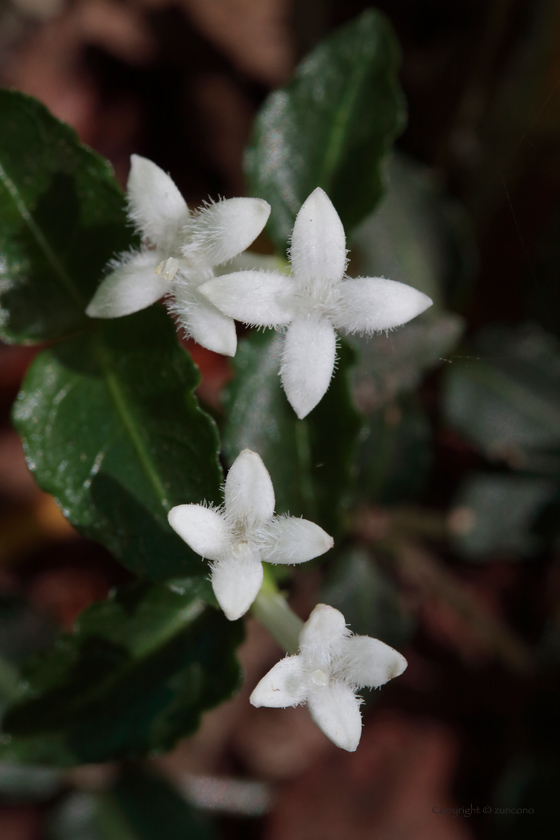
(126, 415)
(340, 123)
(59, 271)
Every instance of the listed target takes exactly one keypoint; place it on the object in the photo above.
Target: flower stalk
(272, 610)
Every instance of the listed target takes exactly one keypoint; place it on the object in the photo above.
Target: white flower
(238, 538)
(331, 665)
(315, 300)
(178, 254)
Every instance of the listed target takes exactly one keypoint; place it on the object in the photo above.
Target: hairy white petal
(249, 493)
(203, 529)
(308, 362)
(336, 710)
(284, 685)
(236, 580)
(369, 662)
(291, 540)
(200, 319)
(258, 298)
(222, 230)
(132, 286)
(368, 304)
(210, 329)
(318, 250)
(322, 637)
(155, 204)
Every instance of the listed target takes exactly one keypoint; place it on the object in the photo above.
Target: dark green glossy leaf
(503, 394)
(496, 513)
(311, 460)
(111, 428)
(132, 678)
(62, 217)
(366, 597)
(395, 454)
(331, 127)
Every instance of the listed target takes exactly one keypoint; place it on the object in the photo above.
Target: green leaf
(503, 394)
(62, 218)
(367, 598)
(310, 461)
(496, 513)
(22, 632)
(391, 364)
(330, 128)
(417, 235)
(111, 428)
(395, 454)
(132, 678)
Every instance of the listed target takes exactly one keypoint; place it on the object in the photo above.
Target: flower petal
(225, 229)
(133, 286)
(203, 529)
(307, 362)
(155, 204)
(248, 490)
(318, 250)
(336, 710)
(258, 298)
(368, 304)
(201, 320)
(284, 685)
(369, 662)
(322, 636)
(292, 540)
(236, 580)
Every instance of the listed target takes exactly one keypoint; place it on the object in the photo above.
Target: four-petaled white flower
(179, 252)
(331, 666)
(238, 538)
(315, 300)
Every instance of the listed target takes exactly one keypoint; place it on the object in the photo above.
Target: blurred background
(461, 458)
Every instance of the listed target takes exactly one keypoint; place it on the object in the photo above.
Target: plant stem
(272, 610)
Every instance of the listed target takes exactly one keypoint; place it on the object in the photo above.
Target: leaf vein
(59, 270)
(126, 415)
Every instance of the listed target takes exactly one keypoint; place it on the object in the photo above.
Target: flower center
(168, 268)
(241, 552)
(319, 677)
(322, 299)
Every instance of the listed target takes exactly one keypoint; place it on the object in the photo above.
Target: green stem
(272, 610)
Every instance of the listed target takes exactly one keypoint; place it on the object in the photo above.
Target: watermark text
(470, 810)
